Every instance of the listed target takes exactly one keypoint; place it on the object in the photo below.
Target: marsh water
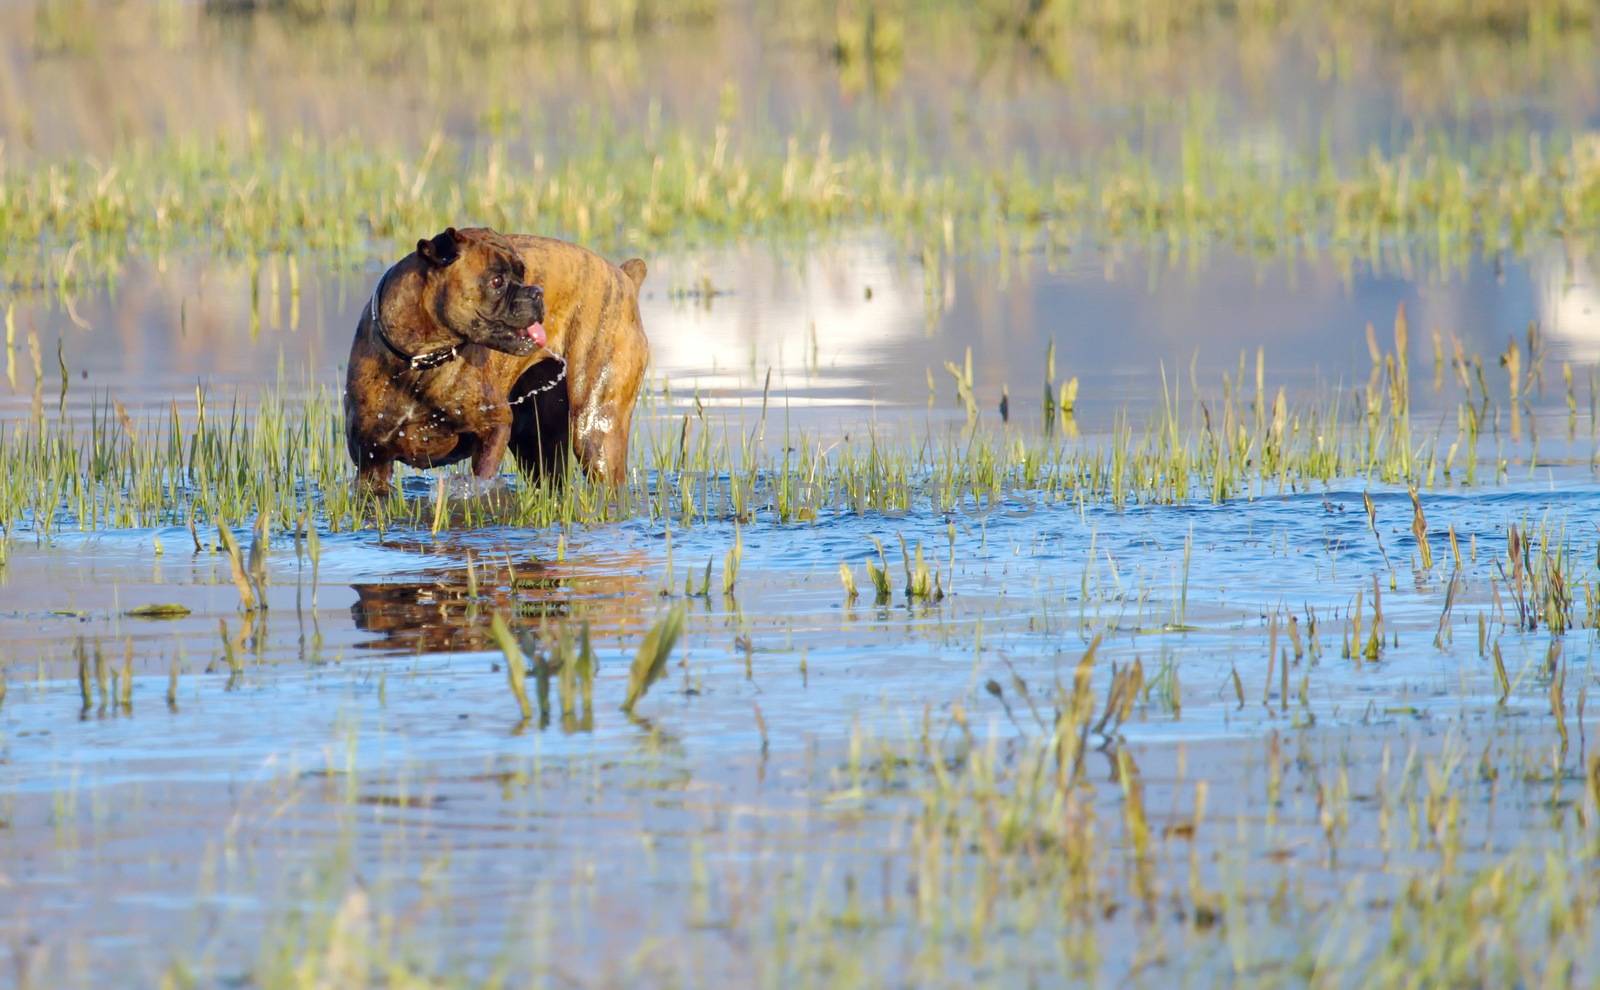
(367, 730)
(344, 775)
(848, 326)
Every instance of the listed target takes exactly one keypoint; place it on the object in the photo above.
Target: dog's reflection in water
(448, 610)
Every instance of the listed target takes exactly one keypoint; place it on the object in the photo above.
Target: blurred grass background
(338, 126)
(84, 75)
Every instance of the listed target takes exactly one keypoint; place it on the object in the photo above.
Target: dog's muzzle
(528, 312)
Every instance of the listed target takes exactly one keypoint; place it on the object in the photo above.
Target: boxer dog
(480, 342)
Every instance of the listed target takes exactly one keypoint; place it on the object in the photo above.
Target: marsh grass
(650, 662)
(1061, 842)
(516, 664)
(922, 583)
(160, 610)
(1007, 861)
(492, 20)
(848, 579)
(1053, 845)
(730, 563)
(879, 574)
(1166, 21)
(286, 464)
(65, 222)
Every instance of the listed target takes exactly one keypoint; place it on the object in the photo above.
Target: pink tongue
(536, 333)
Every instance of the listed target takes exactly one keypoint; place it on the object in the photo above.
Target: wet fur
(461, 409)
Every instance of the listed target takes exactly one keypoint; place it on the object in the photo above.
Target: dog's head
(473, 286)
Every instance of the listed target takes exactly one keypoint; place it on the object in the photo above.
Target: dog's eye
(498, 282)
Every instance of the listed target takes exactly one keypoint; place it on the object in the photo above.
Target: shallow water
(364, 728)
(847, 329)
(369, 728)
(820, 790)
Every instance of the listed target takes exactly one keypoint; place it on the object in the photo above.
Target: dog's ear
(440, 251)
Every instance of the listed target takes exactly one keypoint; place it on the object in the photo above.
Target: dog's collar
(417, 362)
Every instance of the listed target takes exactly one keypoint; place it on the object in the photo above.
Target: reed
(650, 662)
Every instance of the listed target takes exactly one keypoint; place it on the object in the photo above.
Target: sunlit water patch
(848, 334)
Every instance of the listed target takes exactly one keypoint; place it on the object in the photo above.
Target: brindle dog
(481, 342)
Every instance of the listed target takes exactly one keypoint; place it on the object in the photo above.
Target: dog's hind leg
(602, 441)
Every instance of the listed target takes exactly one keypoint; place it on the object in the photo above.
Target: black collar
(417, 362)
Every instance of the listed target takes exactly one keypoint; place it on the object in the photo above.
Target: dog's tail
(635, 270)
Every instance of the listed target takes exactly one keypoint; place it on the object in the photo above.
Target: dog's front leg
(372, 478)
(491, 448)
